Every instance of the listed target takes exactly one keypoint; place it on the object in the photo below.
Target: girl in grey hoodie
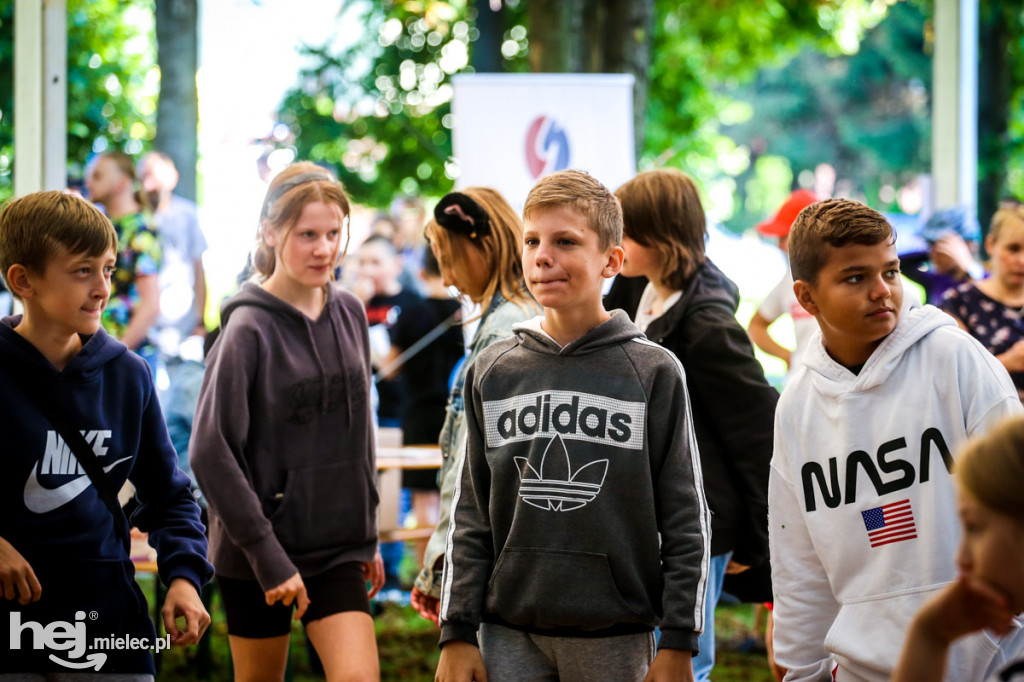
(283, 444)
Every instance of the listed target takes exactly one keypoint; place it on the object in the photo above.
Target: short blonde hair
(36, 227)
(502, 247)
(833, 223)
(991, 468)
(286, 196)
(662, 209)
(1007, 215)
(582, 194)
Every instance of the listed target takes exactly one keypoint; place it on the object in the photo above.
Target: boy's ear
(806, 296)
(616, 255)
(20, 281)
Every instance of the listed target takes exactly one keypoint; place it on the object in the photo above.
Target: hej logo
(60, 636)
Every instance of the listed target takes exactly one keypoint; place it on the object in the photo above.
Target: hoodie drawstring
(320, 363)
(333, 313)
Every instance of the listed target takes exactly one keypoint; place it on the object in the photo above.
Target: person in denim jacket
(477, 238)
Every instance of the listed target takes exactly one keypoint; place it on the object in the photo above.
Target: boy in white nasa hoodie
(862, 508)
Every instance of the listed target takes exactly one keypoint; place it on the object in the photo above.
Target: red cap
(779, 224)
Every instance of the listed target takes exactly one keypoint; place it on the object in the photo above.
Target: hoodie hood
(916, 322)
(97, 350)
(612, 332)
(708, 288)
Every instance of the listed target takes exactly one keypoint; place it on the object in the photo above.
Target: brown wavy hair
(502, 248)
(582, 194)
(662, 209)
(1008, 214)
(282, 214)
(35, 227)
(991, 468)
(833, 223)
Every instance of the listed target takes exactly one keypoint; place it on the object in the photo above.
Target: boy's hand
(461, 662)
(290, 591)
(673, 665)
(428, 607)
(1013, 359)
(17, 579)
(183, 602)
(735, 568)
(966, 605)
(953, 247)
(374, 572)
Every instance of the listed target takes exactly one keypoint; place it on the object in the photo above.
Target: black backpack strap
(79, 446)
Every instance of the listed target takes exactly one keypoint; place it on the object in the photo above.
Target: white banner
(512, 129)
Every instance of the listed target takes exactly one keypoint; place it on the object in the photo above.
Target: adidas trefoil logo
(557, 486)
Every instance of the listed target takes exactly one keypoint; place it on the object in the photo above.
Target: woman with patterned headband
(478, 241)
(282, 444)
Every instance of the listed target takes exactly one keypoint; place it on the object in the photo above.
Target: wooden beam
(40, 95)
(955, 104)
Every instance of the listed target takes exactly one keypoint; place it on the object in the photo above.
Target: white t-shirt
(782, 300)
(644, 312)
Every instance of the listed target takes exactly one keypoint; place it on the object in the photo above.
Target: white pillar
(40, 95)
(955, 104)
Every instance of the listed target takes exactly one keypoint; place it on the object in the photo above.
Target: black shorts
(337, 590)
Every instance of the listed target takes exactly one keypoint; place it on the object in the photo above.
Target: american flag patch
(890, 523)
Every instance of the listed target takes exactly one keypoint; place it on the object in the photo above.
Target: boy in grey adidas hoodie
(579, 521)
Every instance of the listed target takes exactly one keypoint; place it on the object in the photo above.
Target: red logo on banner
(547, 147)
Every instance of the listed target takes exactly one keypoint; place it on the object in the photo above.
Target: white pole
(40, 95)
(955, 103)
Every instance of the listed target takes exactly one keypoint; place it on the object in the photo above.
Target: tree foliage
(867, 114)
(111, 80)
(745, 99)
(379, 109)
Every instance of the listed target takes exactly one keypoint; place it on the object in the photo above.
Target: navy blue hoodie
(51, 513)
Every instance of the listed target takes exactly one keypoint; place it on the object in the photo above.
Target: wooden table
(391, 461)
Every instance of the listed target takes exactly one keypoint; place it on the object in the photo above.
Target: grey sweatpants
(515, 656)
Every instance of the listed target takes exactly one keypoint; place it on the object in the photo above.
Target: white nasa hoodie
(862, 506)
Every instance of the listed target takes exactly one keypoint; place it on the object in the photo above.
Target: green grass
(408, 649)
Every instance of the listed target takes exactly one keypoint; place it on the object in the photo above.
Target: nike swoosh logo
(41, 500)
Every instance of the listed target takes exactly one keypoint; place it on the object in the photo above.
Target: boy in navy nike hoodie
(579, 520)
(65, 575)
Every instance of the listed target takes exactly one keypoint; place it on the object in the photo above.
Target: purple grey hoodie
(282, 443)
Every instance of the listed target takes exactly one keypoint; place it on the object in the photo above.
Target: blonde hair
(283, 206)
(662, 208)
(991, 468)
(501, 248)
(1007, 215)
(582, 194)
(833, 223)
(35, 227)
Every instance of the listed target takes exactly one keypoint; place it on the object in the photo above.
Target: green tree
(111, 81)
(867, 114)
(379, 110)
(177, 113)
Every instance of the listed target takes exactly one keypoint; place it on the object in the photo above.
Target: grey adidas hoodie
(282, 443)
(580, 509)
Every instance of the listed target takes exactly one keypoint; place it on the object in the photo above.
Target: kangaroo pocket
(867, 637)
(548, 588)
(85, 606)
(326, 506)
